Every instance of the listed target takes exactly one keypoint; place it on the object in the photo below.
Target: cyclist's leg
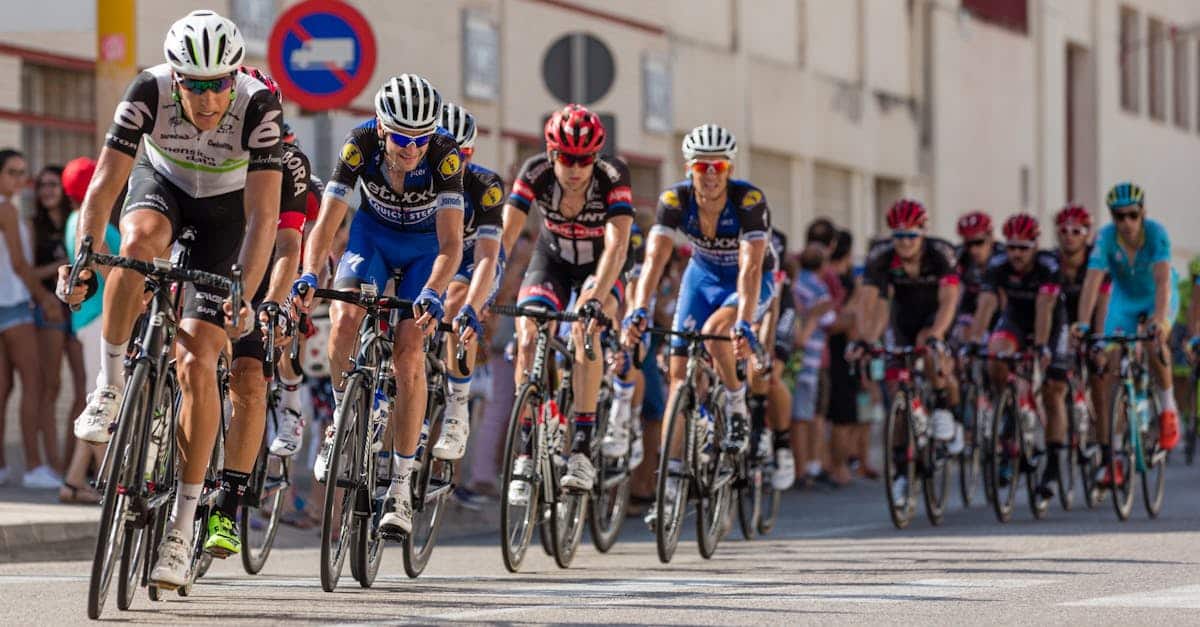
(545, 285)
(1054, 395)
(1005, 339)
(1160, 365)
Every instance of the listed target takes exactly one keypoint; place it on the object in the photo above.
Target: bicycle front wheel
(1154, 477)
(670, 500)
(435, 480)
(968, 460)
(259, 520)
(749, 496)
(520, 487)
(341, 484)
(1004, 455)
(899, 462)
(714, 490)
(1122, 464)
(610, 496)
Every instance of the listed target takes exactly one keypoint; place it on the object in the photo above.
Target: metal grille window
(61, 107)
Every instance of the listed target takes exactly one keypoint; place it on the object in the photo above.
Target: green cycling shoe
(223, 538)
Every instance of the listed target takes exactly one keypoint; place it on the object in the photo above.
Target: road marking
(1180, 597)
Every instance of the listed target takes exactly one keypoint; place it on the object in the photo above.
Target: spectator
(843, 388)
(51, 209)
(19, 289)
(821, 231)
(85, 325)
(814, 307)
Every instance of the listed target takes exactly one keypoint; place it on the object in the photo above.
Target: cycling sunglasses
(906, 234)
(402, 140)
(574, 160)
(1121, 216)
(201, 85)
(1018, 245)
(720, 166)
(1077, 231)
(975, 243)
(466, 152)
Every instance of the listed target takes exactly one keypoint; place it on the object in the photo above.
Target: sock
(622, 405)
(813, 468)
(735, 400)
(584, 423)
(112, 365)
(233, 486)
(1166, 399)
(783, 439)
(457, 396)
(401, 482)
(183, 513)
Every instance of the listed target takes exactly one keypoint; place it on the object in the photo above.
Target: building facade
(839, 106)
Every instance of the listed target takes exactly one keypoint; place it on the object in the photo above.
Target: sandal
(74, 494)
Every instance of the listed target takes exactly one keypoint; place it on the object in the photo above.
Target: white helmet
(709, 140)
(204, 45)
(408, 103)
(460, 123)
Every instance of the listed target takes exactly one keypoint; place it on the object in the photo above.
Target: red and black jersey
(1072, 287)
(915, 296)
(296, 190)
(971, 274)
(1021, 290)
(577, 240)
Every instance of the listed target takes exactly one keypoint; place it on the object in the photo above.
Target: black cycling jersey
(636, 255)
(577, 240)
(971, 274)
(745, 216)
(436, 184)
(1072, 287)
(1021, 289)
(297, 184)
(484, 201)
(913, 297)
(785, 328)
(776, 253)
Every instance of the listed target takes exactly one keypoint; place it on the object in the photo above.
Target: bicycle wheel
(543, 529)
(518, 516)
(341, 491)
(671, 496)
(436, 479)
(1069, 460)
(935, 480)
(1154, 476)
(1192, 421)
(610, 496)
(1121, 441)
(1004, 455)
(968, 460)
(714, 486)
(258, 521)
(769, 512)
(366, 542)
(749, 495)
(1033, 464)
(110, 537)
(132, 555)
(899, 462)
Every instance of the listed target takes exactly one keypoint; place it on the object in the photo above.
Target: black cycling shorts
(219, 223)
(551, 282)
(907, 325)
(1060, 361)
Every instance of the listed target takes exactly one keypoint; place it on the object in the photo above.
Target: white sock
(735, 400)
(112, 365)
(460, 390)
(813, 468)
(183, 513)
(622, 401)
(1166, 399)
(404, 466)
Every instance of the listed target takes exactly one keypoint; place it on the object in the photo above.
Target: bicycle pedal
(219, 553)
(393, 535)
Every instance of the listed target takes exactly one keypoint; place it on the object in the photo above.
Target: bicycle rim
(132, 553)
(669, 513)
(110, 536)
(340, 493)
(936, 480)
(1004, 453)
(257, 543)
(1121, 463)
(712, 503)
(898, 460)
(1154, 478)
(772, 500)
(517, 520)
(968, 460)
(610, 496)
(749, 497)
(437, 476)
(566, 525)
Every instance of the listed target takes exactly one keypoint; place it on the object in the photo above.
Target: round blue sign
(322, 53)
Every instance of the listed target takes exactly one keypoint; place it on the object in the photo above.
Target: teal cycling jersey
(1132, 278)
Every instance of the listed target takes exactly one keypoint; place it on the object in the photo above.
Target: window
(65, 103)
(1158, 84)
(1010, 14)
(1131, 60)
(1180, 58)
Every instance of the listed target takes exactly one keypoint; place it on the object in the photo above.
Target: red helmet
(974, 223)
(1022, 227)
(575, 131)
(906, 214)
(263, 78)
(1073, 213)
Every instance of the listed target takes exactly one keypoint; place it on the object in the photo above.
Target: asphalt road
(834, 558)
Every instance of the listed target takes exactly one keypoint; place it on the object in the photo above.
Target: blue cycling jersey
(744, 217)
(1133, 278)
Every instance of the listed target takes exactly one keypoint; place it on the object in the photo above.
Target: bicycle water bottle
(920, 417)
(1081, 411)
(1143, 408)
(379, 416)
(1028, 415)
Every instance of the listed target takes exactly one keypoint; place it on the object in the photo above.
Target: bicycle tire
(517, 530)
(713, 503)
(1154, 477)
(339, 508)
(419, 544)
(607, 512)
(749, 496)
(110, 534)
(254, 550)
(1004, 450)
(935, 480)
(772, 501)
(668, 528)
(168, 455)
(1119, 434)
(968, 460)
(366, 542)
(900, 513)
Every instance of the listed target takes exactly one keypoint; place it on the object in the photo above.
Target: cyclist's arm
(487, 255)
(1087, 296)
(1047, 299)
(287, 259)
(947, 304)
(869, 327)
(1162, 295)
(112, 171)
(985, 309)
(262, 219)
(616, 244)
(658, 252)
(750, 260)
(450, 238)
(514, 221)
(320, 238)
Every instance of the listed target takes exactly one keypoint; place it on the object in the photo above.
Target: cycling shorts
(654, 400)
(219, 223)
(375, 252)
(1123, 313)
(551, 282)
(1060, 361)
(701, 294)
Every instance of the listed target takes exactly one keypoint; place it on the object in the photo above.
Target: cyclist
(587, 207)
(211, 162)
(247, 387)
(628, 382)
(410, 220)
(1181, 343)
(777, 399)
(723, 289)
(977, 250)
(1028, 282)
(918, 274)
(1136, 253)
(477, 279)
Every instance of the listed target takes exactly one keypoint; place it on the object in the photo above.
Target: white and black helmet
(709, 140)
(204, 45)
(408, 103)
(460, 123)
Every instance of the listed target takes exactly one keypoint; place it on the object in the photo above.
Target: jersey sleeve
(945, 263)
(293, 198)
(490, 212)
(619, 201)
(1050, 274)
(351, 162)
(262, 132)
(875, 273)
(1158, 241)
(134, 115)
(522, 190)
(754, 215)
(448, 173)
(1098, 260)
(669, 215)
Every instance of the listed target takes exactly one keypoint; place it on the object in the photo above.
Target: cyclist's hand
(593, 309)
(743, 338)
(1155, 330)
(1044, 355)
(1079, 330)
(428, 310)
(854, 351)
(303, 290)
(87, 280)
(466, 324)
(635, 325)
(245, 320)
(281, 320)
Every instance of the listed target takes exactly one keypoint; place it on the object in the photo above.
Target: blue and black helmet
(1124, 194)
